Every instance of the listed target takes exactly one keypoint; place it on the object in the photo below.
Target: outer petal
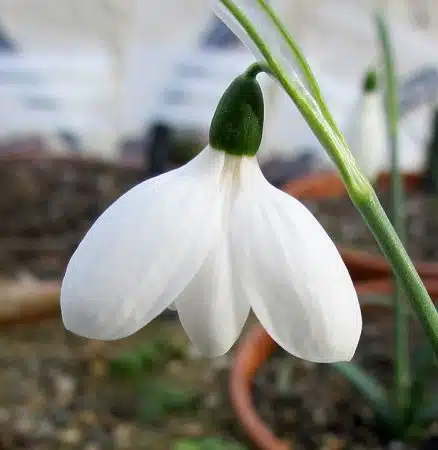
(209, 309)
(292, 273)
(143, 250)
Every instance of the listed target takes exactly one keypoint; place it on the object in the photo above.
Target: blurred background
(97, 95)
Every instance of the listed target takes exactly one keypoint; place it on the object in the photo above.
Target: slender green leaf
(424, 367)
(373, 392)
(401, 329)
(429, 413)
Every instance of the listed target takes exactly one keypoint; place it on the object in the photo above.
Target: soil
(47, 205)
(345, 225)
(59, 391)
(63, 392)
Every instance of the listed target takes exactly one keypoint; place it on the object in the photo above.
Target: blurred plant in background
(366, 135)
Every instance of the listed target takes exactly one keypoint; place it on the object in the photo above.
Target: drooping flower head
(214, 239)
(366, 133)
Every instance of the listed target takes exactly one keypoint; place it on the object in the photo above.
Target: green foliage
(404, 411)
(207, 444)
(431, 173)
(369, 387)
(129, 364)
(422, 408)
(159, 399)
(143, 359)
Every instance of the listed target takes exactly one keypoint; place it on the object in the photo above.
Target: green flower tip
(237, 125)
(370, 83)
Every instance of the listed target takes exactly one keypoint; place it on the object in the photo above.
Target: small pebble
(88, 418)
(45, 429)
(192, 430)
(290, 415)
(212, 400)
(320, 416)
(332, 442)
(98, 368)
(396, 445)
(60, 416)
(5, 416)
(24, 425)
(65, 388)
(71, 436)
(175, 368)
(193, 353)
(221, 363)
(123, 436)
(92, 446)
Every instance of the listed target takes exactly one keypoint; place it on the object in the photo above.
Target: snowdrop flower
(366, 134)
(214, 239)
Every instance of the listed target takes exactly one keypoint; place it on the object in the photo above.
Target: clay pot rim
(257, 346)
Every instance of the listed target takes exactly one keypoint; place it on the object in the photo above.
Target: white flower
(367, 134)
(213, 238)
(367, 137)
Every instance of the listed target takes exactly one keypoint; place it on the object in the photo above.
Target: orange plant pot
(362, 265)
(256, 348)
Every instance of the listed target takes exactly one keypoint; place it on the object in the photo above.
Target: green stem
(401, 329)
(358, 187)
(405, 272)
(257, 68)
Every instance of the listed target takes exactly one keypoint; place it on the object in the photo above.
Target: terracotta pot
(362, 265)
(257, 346)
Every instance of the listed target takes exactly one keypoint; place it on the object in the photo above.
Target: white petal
(292, 274)
(209, 309)
(143, 250)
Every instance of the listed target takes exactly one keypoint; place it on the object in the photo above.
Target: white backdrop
(337, 35)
